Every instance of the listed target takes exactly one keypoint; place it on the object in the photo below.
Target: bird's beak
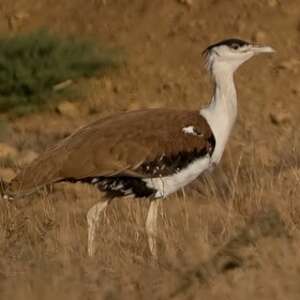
(263, 49)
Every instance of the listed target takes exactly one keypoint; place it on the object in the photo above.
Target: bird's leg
(151, 226)
(92, 220)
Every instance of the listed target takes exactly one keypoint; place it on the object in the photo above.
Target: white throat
(221, 113)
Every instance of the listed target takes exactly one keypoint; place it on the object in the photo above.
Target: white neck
(222, 110)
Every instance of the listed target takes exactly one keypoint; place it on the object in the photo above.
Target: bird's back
(114, 145)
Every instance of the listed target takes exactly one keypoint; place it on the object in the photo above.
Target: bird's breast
(167, 185)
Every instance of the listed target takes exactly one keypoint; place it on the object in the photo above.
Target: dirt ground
(212, 243)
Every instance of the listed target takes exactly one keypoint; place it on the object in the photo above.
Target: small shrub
(32, 64)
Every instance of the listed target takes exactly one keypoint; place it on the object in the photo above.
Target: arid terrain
(232, 235)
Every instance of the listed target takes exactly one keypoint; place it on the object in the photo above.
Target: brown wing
(116, 145)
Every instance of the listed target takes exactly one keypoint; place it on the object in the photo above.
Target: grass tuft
(33, 64)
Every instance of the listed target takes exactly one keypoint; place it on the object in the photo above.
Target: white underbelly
(170, 184)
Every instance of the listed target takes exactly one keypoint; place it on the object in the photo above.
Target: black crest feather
(232, 43)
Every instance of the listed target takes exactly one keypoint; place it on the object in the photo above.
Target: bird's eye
(235, 46)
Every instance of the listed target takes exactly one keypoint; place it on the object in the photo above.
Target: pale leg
(92, 220)
(151, 226)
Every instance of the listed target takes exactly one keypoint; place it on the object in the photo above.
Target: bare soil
(214, 242)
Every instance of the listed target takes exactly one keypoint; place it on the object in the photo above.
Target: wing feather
(116, 145)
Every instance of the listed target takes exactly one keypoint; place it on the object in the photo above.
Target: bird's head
(230, 54)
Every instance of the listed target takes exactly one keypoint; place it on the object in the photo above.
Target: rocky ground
(43, 239)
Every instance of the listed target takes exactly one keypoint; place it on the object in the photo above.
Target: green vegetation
(33, 65)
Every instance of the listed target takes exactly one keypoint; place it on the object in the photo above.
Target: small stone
(22, 15)
(296, 90)
(172, 32)
(291, 64)
(280, 117)
(188, 3)
(260, 36)
(134, 105)
(155, 104)
(116, 89)
(7, 174)
(68, 109)
(272, 3)
(26, 157)
(150, 36)
(167, 86)
(17, 20)
(7, 151)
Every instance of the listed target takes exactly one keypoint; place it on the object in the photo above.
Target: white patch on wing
(170, 184)
(189, 130)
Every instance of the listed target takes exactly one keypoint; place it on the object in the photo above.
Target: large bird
(147, 153)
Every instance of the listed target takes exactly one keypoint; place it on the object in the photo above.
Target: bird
(147, 154)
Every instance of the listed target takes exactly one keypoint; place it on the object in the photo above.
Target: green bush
(32, 64)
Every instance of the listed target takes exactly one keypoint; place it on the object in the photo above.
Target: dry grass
(234, 235)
